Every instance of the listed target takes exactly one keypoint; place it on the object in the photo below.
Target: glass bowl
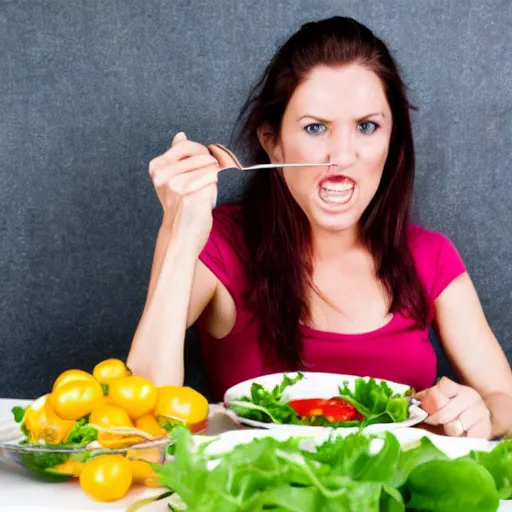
(59, 464)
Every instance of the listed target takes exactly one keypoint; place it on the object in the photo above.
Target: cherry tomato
(150, 425)
(181, 404)
(143, 473)
(76, 398)
(112, 416)
(43, 424)
(136, 395)
(107, 415)
(106, 477)
(109, 370)
(70, 376)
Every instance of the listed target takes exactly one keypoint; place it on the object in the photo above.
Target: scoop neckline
(333, 335)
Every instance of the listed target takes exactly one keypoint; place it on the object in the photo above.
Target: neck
(328, 245)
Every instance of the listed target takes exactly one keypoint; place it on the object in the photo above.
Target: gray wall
(91, 91)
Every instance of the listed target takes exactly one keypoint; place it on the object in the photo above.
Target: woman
(319, 268)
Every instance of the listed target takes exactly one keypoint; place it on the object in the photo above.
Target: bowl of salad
(313, 400)
(107, 422)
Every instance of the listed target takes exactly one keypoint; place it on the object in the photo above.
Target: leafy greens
(342, 474)
(374, 400)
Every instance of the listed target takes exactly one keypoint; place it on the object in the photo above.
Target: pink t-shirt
(399, 351)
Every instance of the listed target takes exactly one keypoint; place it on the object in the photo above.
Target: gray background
(90, 91)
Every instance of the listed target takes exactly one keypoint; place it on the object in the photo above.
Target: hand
(185, 178)
(458, 410)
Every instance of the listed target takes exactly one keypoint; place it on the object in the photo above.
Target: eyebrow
(325, 121)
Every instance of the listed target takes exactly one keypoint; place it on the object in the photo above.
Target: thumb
(224, 156)
(179, 137)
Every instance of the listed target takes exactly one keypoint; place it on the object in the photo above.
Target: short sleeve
(449, 265)
(437, 260)
(222, 252)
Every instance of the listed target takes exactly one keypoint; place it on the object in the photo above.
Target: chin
(335, 224)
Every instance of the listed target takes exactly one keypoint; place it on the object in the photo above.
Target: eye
(367, 127)
(315, 129)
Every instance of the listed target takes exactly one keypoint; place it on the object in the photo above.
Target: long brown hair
(276, 230)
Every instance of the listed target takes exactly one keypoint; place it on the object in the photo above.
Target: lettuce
(342, 474)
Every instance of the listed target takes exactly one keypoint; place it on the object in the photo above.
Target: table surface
(21, 492)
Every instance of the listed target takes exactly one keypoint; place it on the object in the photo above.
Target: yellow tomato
(70, 376)
(143, 473)
(109, 370)
(106, 415)
(76, 399)
(106, 477)
(112, 416)
(149, 425)
(136, 395)
(181, 404)
(43, 424)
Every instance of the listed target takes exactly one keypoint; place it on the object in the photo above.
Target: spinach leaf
(81, 434)
(18, 413)
(499, 464)
(449, 485)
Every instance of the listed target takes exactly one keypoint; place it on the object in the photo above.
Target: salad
(369, 402)
(91, 424)
(353, 473)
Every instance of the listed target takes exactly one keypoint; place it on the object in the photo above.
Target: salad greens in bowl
(251, 470)
(319, 400)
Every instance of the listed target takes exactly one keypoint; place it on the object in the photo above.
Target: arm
(157, 350)
(474, 350)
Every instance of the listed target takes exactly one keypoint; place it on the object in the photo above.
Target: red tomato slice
(334, 409)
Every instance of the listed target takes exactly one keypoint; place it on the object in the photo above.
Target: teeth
(339, 195)
(341, 189)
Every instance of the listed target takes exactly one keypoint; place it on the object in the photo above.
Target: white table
(21, 492)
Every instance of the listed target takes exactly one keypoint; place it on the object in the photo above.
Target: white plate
(407, 437)
(316, 385)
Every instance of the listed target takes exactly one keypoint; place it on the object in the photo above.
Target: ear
(271, 143)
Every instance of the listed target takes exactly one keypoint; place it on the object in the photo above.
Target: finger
(448, 387)
(224, 156)
(477, 421)
(184, 184)
(455, 428)
(191, 164)
(179, 137)
(184, 149)
(433, 400)
(453, 409)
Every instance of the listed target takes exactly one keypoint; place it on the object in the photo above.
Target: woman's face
(339, 116)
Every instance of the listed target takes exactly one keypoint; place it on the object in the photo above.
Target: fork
(267, 166)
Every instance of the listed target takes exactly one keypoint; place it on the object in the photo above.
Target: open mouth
(336, 189)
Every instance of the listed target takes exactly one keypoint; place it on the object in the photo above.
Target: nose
(342, 148)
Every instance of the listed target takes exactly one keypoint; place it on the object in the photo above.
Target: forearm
(162, 243)
(157, 350)
(500, 405)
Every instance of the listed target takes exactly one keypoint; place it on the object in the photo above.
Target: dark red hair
(276, 230)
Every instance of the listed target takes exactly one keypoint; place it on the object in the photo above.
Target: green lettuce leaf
(499, 464)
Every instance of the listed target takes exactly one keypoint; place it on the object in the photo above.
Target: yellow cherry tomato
(107, 415)
(76, 399)
(143, 473)
(112, 416)
(149, 425)
(109, 370)
(181, 404)
(70, 376)
(43, 424)
(106, 477)
(136, 395)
